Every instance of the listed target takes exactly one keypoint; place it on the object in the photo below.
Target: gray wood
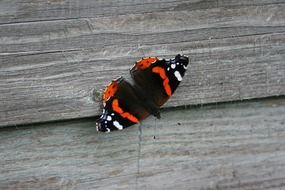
(229, 146)
(27, 10)
(53, 54)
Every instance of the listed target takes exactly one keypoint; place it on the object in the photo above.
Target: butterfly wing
(122, 107)
(159, 79)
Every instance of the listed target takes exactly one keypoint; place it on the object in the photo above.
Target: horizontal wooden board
(52, 63)
(29, 11)
(227, 147)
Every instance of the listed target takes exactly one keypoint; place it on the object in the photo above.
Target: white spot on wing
(118, 125)
(109, 118)
(173, 66)
(178, 75)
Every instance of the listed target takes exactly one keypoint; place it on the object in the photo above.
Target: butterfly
(154, 81)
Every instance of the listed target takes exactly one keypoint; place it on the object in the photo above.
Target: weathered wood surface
(229, 146)
(54, 53)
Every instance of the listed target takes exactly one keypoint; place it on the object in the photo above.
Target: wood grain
(53, 54)
(17, 11)
(229, 146)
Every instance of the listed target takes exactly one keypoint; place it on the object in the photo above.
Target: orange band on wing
(144, 63)
(110, 90)
(116, 108)
(165, 79)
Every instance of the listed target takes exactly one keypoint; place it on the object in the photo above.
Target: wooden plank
(227, 146)
(27, 10)
(49, 68)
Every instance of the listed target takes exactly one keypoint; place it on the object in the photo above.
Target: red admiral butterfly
(154, 81)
